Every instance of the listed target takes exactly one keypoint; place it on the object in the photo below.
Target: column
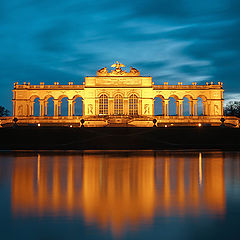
(166, 107)
(110, 106)
(153, 107)
(140, 107)
(31, 105)
(163, 107)
(195, 107)
(190, 108)
(73, 108)
(204, 108)
(55, 101)
(28, 110)
(177, 108)
(125, 106)
(83, 107)
(209, 108)
(59, 108)
(180, 107)
(96, 107)
(70, 107)
(41, 107)
(45, 108)
(14, 108)
(222, 107)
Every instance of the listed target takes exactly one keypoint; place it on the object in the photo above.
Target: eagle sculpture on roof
(117, 66)
(118, 71)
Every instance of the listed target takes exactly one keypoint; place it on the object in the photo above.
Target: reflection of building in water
(118, 189)
(214, 190)
(46, 185)
(193, 186)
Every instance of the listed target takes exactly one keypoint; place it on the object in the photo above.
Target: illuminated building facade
(118, 97)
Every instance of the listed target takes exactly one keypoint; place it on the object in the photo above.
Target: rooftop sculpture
(117, 71)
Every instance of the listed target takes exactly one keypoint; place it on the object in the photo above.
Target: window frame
(133, 104)
(103, 104)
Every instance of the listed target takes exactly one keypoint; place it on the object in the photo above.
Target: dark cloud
(52, 38)
(171, 40)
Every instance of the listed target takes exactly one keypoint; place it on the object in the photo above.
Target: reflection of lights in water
(118, 190)
(38, 168)
(200, 168)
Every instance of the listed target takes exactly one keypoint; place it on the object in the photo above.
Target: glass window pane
(118, 105)
(133, 105)
(103, 104)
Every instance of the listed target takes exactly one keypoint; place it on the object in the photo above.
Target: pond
(119, 195)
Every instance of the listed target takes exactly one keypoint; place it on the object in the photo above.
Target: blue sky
(170, 40)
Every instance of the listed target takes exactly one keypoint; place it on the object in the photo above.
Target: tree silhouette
(232, 109)
(4, 112)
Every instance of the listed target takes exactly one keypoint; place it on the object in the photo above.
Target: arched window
(64, 107)
(200, 106)
(158, 106)
(50, 107)
(133, 105)
(118, 105)
(78, 106)
(103, 104)
(36, 107)
(173, 106)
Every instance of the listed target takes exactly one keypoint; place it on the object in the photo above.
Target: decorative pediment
(117, 71)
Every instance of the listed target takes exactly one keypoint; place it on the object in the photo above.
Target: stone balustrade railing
(43, 86)
(166, 87)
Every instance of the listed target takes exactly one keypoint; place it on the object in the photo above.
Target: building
(118, 97)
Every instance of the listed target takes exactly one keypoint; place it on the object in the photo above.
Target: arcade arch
(49, 107)
(36, 107)
(177, 106)
(159, 105)
(173, 105)
(201, 105)
(187, 105)
(77, 105)
(63, 109)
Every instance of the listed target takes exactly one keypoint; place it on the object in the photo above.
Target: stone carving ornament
(118, 71)
(90, 109)
(146, 109)
(20, 110)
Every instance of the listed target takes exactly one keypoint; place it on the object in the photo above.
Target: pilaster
(70, 107)
(56, 104)
(166, 105)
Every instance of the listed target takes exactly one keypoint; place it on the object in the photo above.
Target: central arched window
(118, 105)
(103, 104)
(133, 105)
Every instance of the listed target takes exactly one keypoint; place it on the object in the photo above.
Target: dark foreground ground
(61, 138)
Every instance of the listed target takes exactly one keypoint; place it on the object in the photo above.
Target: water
(119, 195)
